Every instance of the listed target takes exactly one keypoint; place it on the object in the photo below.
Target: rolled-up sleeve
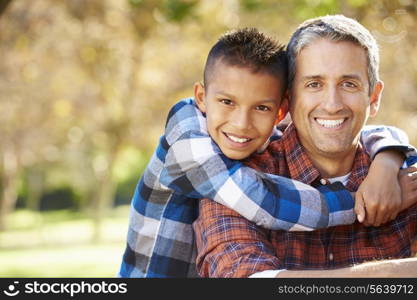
(229, 245)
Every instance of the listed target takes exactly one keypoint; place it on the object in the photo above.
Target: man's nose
(332, 101)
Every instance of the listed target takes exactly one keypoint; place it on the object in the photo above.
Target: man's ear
(375, 99)
(199, 95)
(283, 109)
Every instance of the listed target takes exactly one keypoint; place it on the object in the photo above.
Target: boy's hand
(378, 198)
(408, 182)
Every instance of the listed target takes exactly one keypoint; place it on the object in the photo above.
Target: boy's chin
(235, 155)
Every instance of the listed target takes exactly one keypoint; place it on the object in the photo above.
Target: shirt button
(323, 181)
(331, 256)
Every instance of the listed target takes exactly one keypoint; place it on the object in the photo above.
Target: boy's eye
(226, 101)
(263, 108)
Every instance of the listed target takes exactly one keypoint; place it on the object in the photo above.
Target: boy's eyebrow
(224, 94)
(221, 93)
(267, 100)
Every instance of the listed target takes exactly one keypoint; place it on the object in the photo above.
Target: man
(334, 88)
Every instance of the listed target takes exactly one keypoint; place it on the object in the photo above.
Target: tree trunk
(3, 5)
(35, 186)
(103, 200)
(8, 184)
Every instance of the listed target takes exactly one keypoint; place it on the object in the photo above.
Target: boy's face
(241, 108)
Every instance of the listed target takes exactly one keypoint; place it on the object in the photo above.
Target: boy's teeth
(330, 123)
(238, 140)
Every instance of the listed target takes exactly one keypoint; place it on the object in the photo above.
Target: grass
(58, 244)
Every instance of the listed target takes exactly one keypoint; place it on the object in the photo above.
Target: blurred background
(85, 87)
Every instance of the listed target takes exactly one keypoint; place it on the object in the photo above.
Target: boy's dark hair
(251, 49)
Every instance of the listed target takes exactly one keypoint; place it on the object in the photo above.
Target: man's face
(241, 108)
(330, 100)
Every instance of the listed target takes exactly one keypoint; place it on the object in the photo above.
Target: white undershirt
(343, 179)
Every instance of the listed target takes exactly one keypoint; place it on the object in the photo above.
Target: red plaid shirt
(231, 246)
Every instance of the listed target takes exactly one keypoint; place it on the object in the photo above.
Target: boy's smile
(241, 108)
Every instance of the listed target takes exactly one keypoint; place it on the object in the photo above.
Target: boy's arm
(379, 196)
(194, 166)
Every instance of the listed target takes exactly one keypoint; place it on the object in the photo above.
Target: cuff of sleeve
(337, 196)
(391, 144)
(266, 274)
(411, 160)
(340, 204)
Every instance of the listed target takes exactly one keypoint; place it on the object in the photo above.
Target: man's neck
(331, 166)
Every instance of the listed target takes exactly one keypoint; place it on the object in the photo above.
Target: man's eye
(263, 108)
(313, 85)
(349, 84)
(226, 101)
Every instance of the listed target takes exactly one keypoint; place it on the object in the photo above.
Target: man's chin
(332, 150)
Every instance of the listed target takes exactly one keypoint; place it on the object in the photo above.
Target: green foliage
(131, 162)
(178, 10)
(251, 5)
(306, 9)
(127, 170)
(358, 3)
(135, 2)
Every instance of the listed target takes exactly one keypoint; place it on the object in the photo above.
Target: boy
(244, 82)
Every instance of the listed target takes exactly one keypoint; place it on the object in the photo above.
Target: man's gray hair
(335, 28)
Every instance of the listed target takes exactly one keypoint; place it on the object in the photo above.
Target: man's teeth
(330, 123)
(238, 140)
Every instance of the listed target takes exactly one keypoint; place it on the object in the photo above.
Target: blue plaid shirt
(187, 165)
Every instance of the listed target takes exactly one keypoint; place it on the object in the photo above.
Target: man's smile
(332, 124)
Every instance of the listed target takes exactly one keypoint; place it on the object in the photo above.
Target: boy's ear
(375, 99)
(199, 95)
(283, 109)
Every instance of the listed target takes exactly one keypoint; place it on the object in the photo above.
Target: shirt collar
(301, 167)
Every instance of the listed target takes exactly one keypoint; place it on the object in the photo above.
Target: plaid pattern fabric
(188, 165)
(231, 246)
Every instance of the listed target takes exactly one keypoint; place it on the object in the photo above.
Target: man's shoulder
(273, 158)
(269, 160)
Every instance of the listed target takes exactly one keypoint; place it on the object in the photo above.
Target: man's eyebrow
(309, 77)
(347, 76)
(351, 76)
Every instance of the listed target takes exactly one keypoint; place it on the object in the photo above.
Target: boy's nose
(241, 120)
